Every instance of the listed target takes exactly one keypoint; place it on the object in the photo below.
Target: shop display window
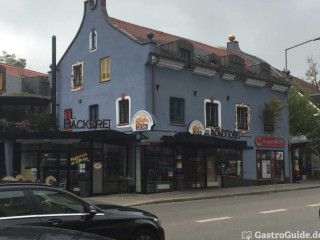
(157, 171)
(270, 165)
(230, 162)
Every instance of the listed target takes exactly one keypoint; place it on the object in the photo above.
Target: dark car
(18, 232)
(37, 204)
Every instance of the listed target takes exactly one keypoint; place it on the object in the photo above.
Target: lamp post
(298, 46)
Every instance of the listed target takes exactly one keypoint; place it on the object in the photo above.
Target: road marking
(273, 211)
(213, 219)
(314, 205)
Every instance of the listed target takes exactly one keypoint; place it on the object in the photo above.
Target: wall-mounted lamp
(228, 98)
(157, 87)
(195, 93)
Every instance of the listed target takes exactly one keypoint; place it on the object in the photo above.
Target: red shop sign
(270, 142)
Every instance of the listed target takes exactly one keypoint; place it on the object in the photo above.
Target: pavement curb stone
(270, 189)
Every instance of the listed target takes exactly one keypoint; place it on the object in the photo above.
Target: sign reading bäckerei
(90, 124)
(142, 121)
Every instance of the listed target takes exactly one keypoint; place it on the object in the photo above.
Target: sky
(264, 28)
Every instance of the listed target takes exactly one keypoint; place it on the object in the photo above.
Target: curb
(177, 200)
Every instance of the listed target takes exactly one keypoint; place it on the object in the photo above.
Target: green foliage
(312, 72)
(271, 113)
(304, 118)
(10, 59)
(7, 127)
(43, 122)
(221, 47)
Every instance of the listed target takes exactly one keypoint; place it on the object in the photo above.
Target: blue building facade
(139, 110)
(205, 106)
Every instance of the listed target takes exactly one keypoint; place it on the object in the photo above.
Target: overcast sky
(264, 28)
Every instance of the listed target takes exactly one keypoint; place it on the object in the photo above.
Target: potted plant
(85, 184)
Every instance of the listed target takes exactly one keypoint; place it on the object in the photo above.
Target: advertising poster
(279, 156)
(266, 169)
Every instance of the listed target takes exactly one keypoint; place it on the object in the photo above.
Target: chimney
(233, 45)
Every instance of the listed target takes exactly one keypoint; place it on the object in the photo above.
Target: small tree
(43, 122)
(10, 59)
(272, 113)
(313, 71)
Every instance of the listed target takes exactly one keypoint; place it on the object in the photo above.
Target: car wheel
(144, 234)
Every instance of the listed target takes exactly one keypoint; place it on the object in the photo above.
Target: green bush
(43, 122)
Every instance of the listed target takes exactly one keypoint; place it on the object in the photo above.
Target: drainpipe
(54, 85)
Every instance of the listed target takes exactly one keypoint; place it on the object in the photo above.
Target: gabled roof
(140, 33)
(305, 87)
(20, 72)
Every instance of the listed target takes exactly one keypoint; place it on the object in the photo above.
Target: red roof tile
(141, 33)
(20, 72)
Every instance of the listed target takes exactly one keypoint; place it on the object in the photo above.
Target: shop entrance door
(279, 167)
(193, 166)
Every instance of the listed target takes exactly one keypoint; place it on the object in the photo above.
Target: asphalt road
(295, 213)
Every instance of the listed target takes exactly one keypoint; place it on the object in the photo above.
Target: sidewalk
(134, 199)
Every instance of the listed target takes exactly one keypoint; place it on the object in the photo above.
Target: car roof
(26, 184)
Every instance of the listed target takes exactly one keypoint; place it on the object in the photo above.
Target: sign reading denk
(196, 127)
(276, 142)
(142, 121)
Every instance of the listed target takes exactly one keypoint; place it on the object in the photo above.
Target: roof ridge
(169, 34)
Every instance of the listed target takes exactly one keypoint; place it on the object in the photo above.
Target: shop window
(67, 119)
(93, 40)
(105, 69)
(185, 54)
(1, 81)
(242, 118)
(230, 162)
(123, 111)
(270, 165)
(77, 76)
(94, 112)
(176, 110)
(212, 114)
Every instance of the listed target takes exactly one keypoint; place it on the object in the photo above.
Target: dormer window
(185, 54)
(93, 40)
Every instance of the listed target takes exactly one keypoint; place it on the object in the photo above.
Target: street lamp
(298, 46)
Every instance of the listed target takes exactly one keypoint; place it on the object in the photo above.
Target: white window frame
(90, 42)
(205, 113)
(73, 88)
(242, 105)
(118, 111)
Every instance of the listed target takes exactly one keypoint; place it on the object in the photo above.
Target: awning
(110, 135)
(187, 138)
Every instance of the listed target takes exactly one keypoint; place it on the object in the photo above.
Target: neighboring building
(23, 95)
(309, 163)
(143, 110)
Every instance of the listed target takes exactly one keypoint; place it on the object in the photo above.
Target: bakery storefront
(190, 160)
(93, 161)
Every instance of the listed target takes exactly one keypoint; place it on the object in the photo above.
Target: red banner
(275, 142)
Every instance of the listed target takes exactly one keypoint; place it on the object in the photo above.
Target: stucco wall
(182, 83)
(128, 72)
